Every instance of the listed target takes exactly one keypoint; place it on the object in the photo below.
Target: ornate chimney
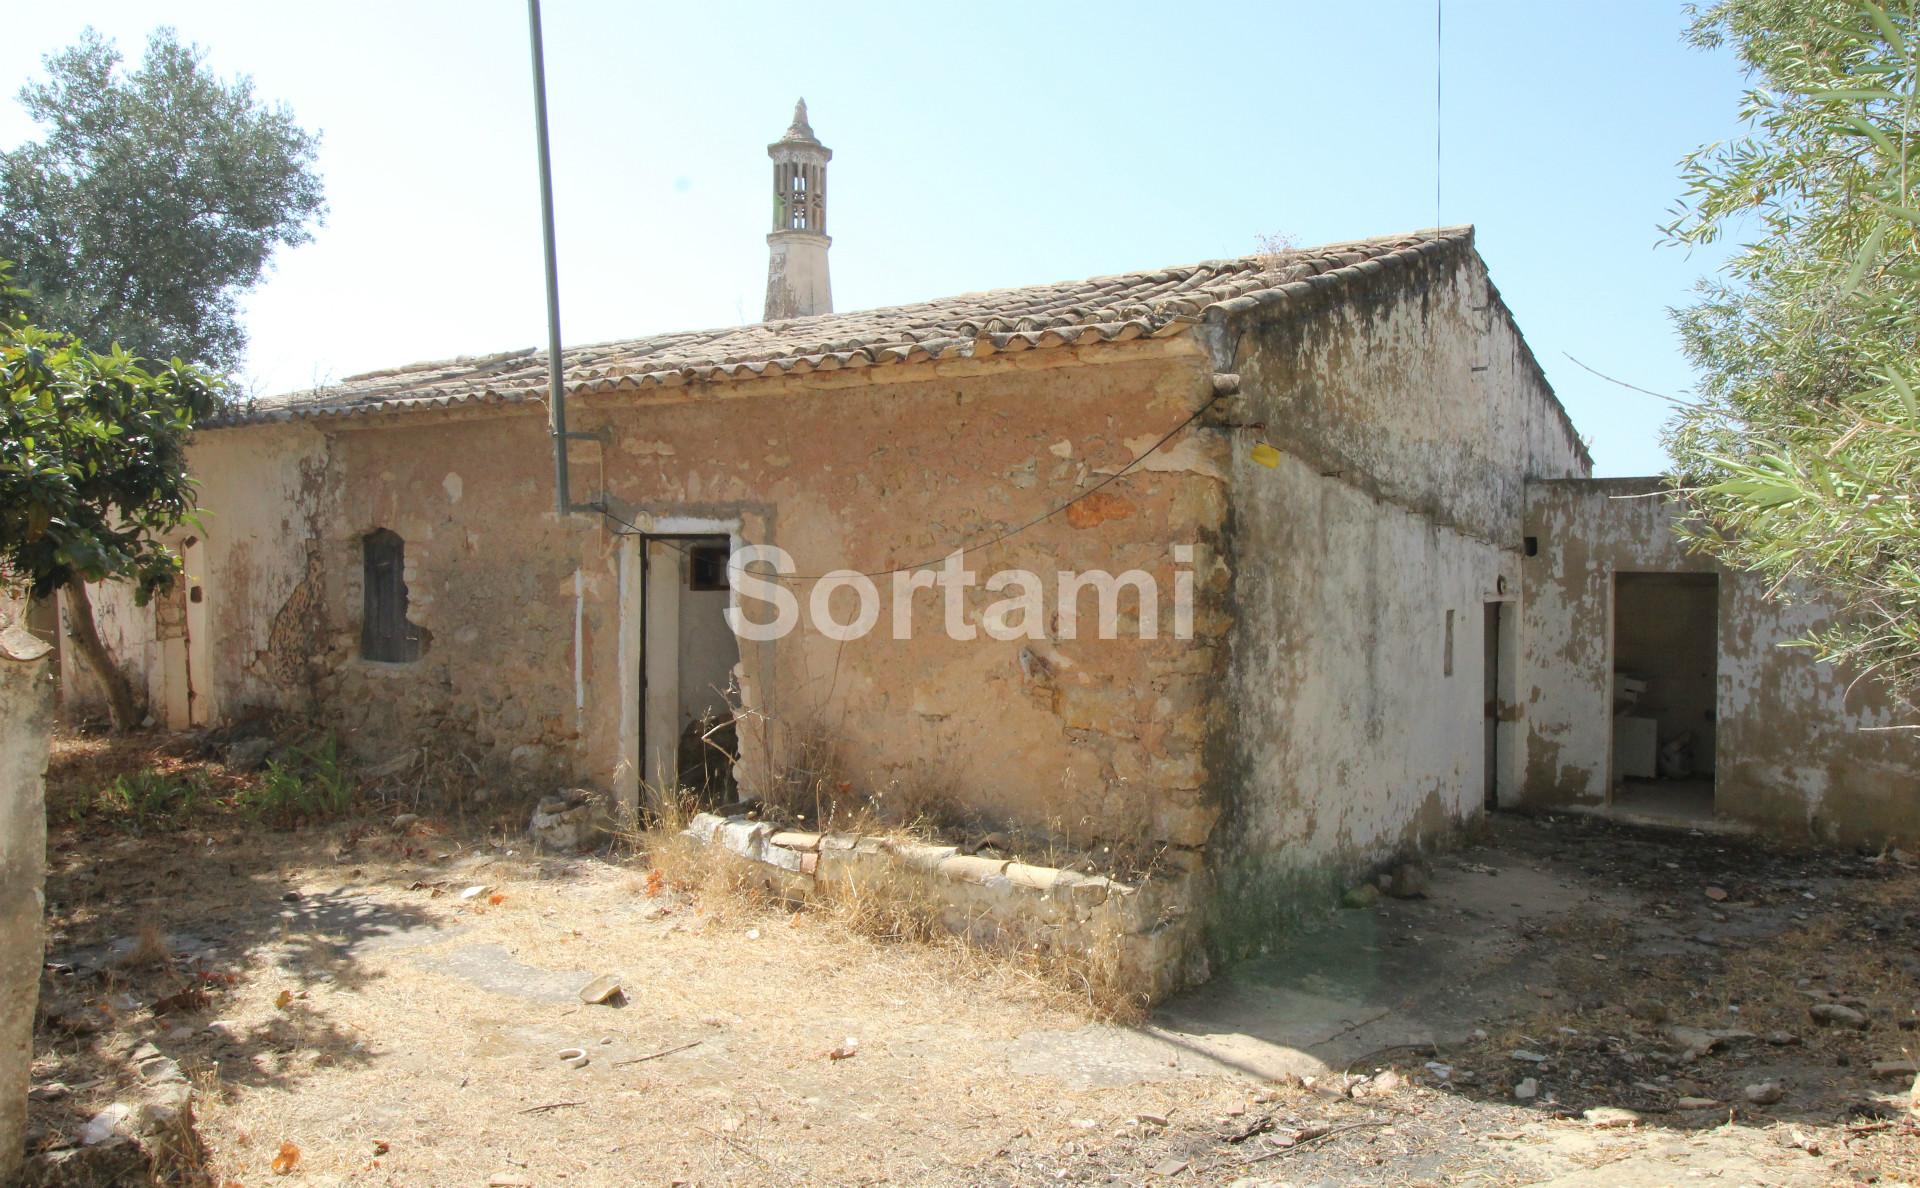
(797, 245)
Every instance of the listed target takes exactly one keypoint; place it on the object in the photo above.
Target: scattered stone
(1696, 1103)
(604, 990)
(1529, 1057)
(1894, 1069)
(1610, 1118)
(565, 821)
(1386, 1082)
(1363, 896)
(1782, 1039)
(1441, 1071)
(1717, 894)
(406, 821)
(1150, 1119)
(1765, 1093)
(1693, 1042)
(119, 1160)
(1527, 1090)
(1833, 1014)
(249, 754)
(1171, 1167)
(474, 892)
(106, 1124)
(509, 1180)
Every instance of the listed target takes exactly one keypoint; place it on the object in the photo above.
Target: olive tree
(1801, 457)
(153, 199)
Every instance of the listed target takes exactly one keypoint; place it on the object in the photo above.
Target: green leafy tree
(93, 474)
(1801, 458)
(154, 199)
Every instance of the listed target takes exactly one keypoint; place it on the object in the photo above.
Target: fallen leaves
(286, 1160)
(192, 998)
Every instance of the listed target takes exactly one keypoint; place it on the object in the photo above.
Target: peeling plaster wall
(1793, 752)
(1084, 739)
(240, 645)
(1408, 420)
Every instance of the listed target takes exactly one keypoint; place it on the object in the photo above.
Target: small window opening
(385, 634)
(707, 567)
(1447, 661)
(1533, 546)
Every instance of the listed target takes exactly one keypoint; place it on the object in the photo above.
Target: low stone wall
(1145, 938)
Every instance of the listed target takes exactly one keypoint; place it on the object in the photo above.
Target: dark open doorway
(1491, 696)
(687, 691)
(1666, 648)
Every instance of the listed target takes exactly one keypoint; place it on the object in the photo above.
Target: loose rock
(604, 990)
(1765, 1093)
(1610, 1118)
(1365, 895)
(1833, 1014)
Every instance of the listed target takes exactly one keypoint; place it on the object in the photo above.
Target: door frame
(629, 775)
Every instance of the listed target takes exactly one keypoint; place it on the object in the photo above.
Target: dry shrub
(150, 949)
(1274, 249)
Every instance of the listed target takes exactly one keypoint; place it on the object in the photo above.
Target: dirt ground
(344, 988)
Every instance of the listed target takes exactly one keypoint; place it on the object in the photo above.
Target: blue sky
(975, 146)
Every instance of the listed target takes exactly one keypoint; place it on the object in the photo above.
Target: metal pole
(556, 389)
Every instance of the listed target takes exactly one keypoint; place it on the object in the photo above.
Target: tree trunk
(120, 703)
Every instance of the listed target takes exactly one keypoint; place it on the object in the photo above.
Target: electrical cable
(998, 538)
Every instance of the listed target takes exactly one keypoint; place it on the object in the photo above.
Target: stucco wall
(261, 496)
(26, 701)
(1795, 752)
(1408, 418)
(1085, 739)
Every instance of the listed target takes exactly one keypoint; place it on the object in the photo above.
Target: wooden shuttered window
(385, 634)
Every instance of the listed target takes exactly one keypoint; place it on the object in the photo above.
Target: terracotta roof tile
(1038, 317)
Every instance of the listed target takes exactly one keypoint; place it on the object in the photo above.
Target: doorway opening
(688, 685)
(1666, 654)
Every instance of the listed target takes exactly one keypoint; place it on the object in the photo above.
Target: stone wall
(1137, 941)
(1407, 418)
(521, 611)
(1801, 747)
(26, 711)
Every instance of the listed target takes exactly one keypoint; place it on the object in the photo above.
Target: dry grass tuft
(895, 906)
(150, 949)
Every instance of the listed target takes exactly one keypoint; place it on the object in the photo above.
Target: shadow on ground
(148, 933)
(1567, 964)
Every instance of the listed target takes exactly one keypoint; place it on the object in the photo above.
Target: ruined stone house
(1410, 602)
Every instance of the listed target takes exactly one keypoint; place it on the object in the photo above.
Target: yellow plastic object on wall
(1265, 455)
